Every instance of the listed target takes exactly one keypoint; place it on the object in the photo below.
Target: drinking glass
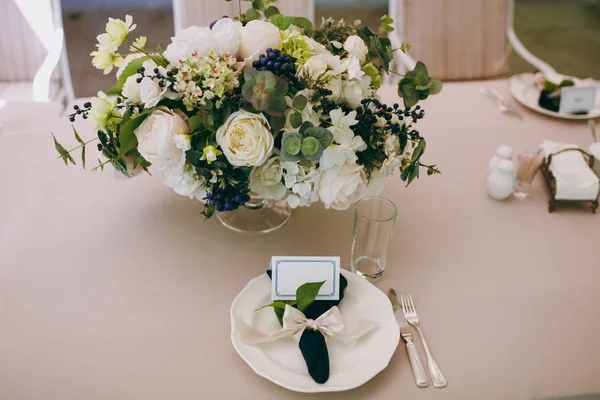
(528, 163)
(374, 219)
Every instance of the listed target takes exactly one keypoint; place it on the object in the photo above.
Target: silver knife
(411, 349)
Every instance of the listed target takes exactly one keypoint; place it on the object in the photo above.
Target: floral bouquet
(261, 103)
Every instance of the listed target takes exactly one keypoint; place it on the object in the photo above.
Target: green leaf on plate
(306, 294)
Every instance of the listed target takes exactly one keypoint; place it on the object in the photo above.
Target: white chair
(457, 39)
(31, 49)
(203, 12)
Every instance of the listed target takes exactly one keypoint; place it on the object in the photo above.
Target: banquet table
(114, 289)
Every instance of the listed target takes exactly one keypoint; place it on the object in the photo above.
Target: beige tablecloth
(120, 290)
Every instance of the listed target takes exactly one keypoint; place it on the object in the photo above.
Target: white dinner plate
(525, 89)
(281, 362)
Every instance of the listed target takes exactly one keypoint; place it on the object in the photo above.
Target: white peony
(226, 35)
(187, 41)
(132, 90)
(356, 90)
(340, 125)
(356, 47)
(376, 184)
(158, 138)
(256, 37)
(265, 180)
(340, 154)
(352, 66)
(245, 139)
(322, 66)
(182, 179)
(342, 185)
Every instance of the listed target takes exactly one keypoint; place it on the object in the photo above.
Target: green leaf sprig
(305, 296)
(418, 85)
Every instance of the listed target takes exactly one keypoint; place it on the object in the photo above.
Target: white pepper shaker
(501, 181)
(502, 153)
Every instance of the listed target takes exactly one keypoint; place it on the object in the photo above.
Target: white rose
(335, 85)
(342, 185)
(188, 40)
(158, 137)
(132, 90)
(356, 47)
(322, 66)
(356, 90)
(182, 180)
(265, 180)
(226, 36)
(245, 139)
(256, 37)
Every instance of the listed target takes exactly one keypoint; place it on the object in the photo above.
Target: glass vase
(257, 216)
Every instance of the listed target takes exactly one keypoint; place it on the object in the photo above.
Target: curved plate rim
(381, 365)
(593, 114)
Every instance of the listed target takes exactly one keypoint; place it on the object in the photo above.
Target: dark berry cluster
(216, 20)
(327, 105)
(277, 62)
(83, 111)
(167, 80)
(229, 198)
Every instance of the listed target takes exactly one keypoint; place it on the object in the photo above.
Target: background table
(119, 290)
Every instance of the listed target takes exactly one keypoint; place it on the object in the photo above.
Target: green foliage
(283, 22)
(129, 70)
(307, 144)
(418, 85)
(63, 153)
(379, 48)
(386, 24)
(82, 143)
(331, 31)
(300, 103)
(270, 11)
(127, 138)
(306, 294)
(265, 91)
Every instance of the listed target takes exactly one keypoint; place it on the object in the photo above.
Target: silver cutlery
(504, 105)
(411, 349)
(410, 313)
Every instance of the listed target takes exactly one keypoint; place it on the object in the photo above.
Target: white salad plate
(526, 89)
(282, 363)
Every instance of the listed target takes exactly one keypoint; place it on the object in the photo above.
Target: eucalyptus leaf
(258, 4)
(195, 122)
(296, 119)
(283, 22)
(270, 11)
(64, 154)
(305, 125)
(251, 14)
(324, 136)
(277, 123)
(306, 294)
(436, 86)
(82, 143)
(419, 150)
(292, 143)
(300, 103)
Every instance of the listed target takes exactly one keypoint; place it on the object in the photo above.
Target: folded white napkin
(574, 178)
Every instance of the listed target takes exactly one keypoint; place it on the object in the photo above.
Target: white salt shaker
(502, 153)
(501, 181)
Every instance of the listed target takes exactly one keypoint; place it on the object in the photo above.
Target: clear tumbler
(374, 219)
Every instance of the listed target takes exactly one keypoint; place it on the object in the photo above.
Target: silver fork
(410, 313)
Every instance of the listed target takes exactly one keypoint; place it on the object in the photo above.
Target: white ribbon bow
(295, 322)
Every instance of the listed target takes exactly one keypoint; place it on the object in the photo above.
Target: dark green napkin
(312, 343)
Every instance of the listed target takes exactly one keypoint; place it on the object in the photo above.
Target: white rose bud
(356, 47)
(245, 139)
(342, 185)
(256, 37)
(132, 90)
(161, 138)
(265, 180)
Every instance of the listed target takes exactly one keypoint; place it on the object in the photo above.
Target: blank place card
(577, 99)
(289, 273)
